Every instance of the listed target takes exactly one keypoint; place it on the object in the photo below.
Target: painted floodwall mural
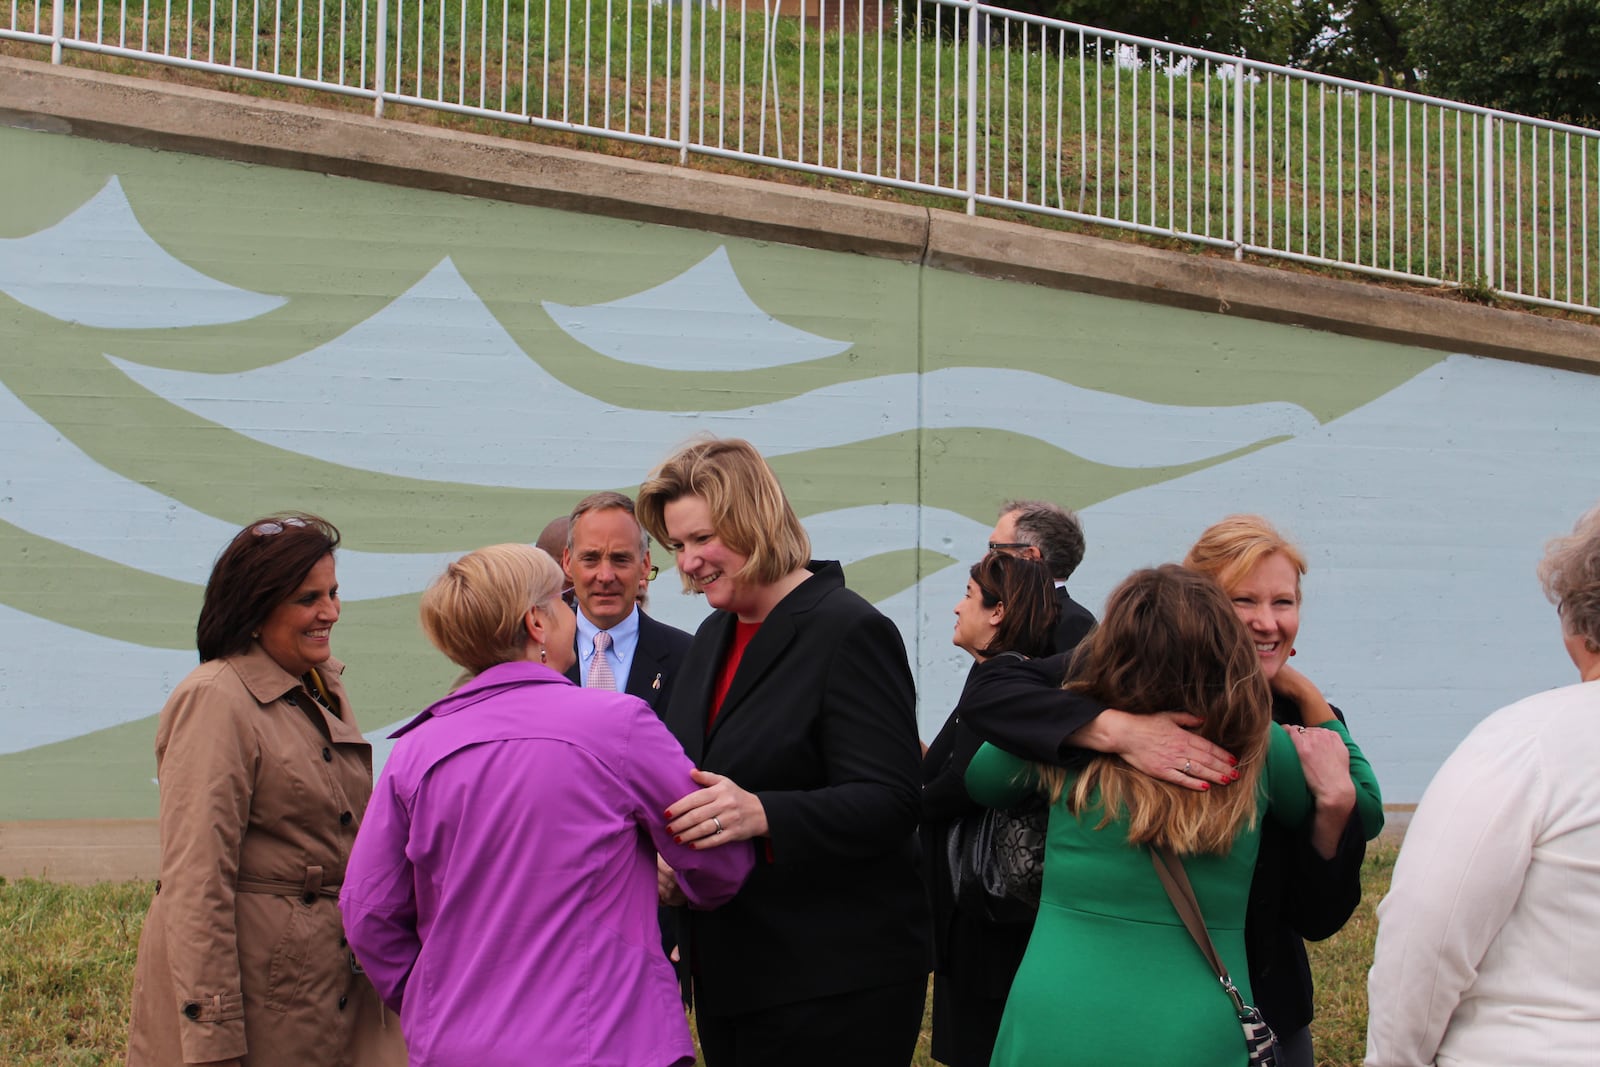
(187, 343)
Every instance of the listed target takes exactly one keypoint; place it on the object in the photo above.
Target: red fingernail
(677, 840)
(667, 814)
(1233, 761)
(1204, 786)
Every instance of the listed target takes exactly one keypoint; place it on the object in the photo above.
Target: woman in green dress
(1111, 976)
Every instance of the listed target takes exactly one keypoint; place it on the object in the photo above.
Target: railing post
(380, 60)
(1238, 160)
(58, 29)
(683, 84)
(972, 109)
(1486, 268)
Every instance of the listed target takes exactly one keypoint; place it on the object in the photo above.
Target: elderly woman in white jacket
(1489, 940)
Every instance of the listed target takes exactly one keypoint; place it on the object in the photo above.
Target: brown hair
(749, 511)
(473, 612)
(1024, 588)
(606, 500)
(1570, 575)
(1170, 640)
(1230, 549)
(261, 568)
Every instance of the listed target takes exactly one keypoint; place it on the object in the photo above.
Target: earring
(541, 653)
(255, 635)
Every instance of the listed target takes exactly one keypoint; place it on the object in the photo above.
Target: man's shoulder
(1071, 606)
(1074, 624)
(653, 631)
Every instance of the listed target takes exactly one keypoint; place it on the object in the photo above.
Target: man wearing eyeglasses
(1043, 531)
(619, 647)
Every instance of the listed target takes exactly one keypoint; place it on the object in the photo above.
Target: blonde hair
(1230, 549)
(474, 611)
(1170, 639)
(749, 511)
(1570, 575)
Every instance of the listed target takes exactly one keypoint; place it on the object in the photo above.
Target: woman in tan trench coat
(264, 778)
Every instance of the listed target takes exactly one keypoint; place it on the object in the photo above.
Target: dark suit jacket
(982, 957)
(977, 959)
(656, 662)
(820, 723)
(1294, 894)
(1075, 623)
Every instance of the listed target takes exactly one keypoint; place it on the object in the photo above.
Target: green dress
(1111, 976)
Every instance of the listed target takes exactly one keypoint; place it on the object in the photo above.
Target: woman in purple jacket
(502, 891)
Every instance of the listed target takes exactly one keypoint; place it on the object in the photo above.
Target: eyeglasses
(651, 576)
(268, 529)
(1007, 546)
(569, 597)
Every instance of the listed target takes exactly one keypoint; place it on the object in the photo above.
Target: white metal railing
(951, 98)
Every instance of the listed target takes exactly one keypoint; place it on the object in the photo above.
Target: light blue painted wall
(187, 343)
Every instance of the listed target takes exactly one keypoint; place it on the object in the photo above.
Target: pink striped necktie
(600, 676)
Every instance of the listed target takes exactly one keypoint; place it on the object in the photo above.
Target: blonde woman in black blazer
(797, 704)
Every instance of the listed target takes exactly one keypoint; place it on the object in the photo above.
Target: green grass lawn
(67, 954)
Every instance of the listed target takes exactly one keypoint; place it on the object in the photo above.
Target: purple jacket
(501, 894)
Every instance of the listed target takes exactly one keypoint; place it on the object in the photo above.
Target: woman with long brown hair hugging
(1111, 975)
(1307, 881)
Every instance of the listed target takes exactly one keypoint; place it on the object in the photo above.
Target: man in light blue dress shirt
(608, 560)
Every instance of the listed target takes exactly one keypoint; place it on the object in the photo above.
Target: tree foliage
(1539, 57)
(1365, 40)
(1263, 29)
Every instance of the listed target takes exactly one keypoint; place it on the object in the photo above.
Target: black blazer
(656, 662)
(1075, 623)
(1296, 896)
(982, 956)
(978, 956)
(820, 722)
(1294, 893)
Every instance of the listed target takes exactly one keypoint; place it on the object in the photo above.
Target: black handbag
(996, 860)
(1259, 1040)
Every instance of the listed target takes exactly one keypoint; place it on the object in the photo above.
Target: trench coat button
(327, 755)
(310, 898)
(192, 1010)
(345, 818)
(342, 1002)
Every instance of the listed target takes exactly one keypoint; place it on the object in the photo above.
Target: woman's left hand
(1325, 759)
(717, 814)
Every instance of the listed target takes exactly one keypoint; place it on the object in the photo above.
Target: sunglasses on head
(275, 526)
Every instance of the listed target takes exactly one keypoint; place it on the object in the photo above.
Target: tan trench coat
(243, 953)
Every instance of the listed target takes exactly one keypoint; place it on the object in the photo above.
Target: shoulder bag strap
(1175, 880)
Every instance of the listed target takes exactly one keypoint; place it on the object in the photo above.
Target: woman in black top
(1009, 607)
(796, 702)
